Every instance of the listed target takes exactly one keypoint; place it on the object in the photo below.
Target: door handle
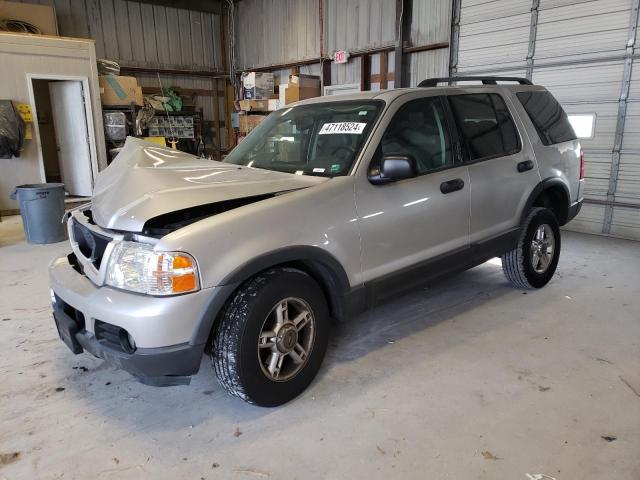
(524, 166)
(451, 186)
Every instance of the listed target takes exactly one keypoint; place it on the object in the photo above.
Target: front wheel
(533, 262)
(271, 339)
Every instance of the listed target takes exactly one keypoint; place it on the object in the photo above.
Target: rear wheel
(533, 262)
(271, 339)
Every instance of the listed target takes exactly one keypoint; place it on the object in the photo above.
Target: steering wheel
(351, 150)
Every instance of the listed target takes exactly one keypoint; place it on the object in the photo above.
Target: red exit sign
(340, 56)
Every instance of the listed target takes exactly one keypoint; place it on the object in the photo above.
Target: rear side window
(485, 125)
(548, 117)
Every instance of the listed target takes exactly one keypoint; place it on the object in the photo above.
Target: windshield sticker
(342, 127)
(335, 167)
(318, 170)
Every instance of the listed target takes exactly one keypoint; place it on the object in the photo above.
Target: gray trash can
(42, 209)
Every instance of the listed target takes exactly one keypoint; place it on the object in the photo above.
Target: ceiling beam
(208, 6)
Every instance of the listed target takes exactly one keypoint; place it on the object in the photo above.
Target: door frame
(88, 110)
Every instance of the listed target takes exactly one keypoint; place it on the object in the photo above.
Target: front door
(70, 123)
(416, 227)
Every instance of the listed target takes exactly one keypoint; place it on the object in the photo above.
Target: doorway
(65, 144)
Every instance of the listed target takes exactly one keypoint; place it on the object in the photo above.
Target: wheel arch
(551, 193)
(323, 267)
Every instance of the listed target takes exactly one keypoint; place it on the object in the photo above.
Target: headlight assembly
(137, 267)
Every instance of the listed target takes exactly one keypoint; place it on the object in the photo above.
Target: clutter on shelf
(12, 130)
(118, 90)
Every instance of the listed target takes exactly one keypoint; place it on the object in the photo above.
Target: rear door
(502, 165)
(418, 227)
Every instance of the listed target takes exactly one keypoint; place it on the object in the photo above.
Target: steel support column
(403, 33)
(455, 37)
(622, 115)
(533, 33)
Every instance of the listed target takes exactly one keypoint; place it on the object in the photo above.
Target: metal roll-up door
(582, 51)
(494, 36)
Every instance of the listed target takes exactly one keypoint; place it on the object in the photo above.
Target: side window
(485, 124)
(548, 117)
(419, 130)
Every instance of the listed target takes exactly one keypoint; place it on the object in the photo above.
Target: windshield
(320, 139)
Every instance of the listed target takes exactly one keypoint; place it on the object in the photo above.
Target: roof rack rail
(433, 82)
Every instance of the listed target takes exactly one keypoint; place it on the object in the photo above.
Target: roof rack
(433, 82)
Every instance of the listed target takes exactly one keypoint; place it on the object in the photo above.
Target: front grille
(91, 244)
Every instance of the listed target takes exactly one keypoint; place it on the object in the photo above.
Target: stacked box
(249, 122)
(301, 87)
(119, 90)
(254, 105)
(257, 85)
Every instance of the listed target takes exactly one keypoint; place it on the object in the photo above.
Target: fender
(320, 264)
(297, 253)
(541, 187)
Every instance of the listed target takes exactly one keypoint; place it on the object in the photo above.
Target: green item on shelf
(175, 102)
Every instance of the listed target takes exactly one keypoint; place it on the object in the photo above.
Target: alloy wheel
(286, 339)
(542, 248)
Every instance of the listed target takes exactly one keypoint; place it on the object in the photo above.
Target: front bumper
(159, 367)
(165, 329)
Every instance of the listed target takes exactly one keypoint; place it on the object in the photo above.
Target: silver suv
(327, 208)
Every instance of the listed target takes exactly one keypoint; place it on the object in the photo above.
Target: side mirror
(392, 168)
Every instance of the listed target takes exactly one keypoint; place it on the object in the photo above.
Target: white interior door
(70, 122)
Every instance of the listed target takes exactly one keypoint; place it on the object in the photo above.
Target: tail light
(581, 164)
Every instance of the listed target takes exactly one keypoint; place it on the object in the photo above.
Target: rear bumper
(574, 209)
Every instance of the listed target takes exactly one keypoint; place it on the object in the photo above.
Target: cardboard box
(305, 81)
(254, 105)
(257, 85)
(119, 90)
(282, 89)
(41, 16)
(249, 122)
(274, 104)
(295, 93)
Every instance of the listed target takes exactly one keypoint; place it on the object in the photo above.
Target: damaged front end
(154, 190)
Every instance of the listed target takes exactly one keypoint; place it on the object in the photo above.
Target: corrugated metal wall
(144, 35)
(359, 24)
(578, 51)
(271, 32)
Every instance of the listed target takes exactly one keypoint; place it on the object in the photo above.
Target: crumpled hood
(146, 180)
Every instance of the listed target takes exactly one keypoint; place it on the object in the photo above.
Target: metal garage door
(582, 51)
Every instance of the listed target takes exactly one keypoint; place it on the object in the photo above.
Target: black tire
(517, 264)
(235, 353)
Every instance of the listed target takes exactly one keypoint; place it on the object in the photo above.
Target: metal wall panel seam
(455, 37)
(622, 114)
(533, 33)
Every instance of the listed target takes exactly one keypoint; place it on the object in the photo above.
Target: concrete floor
(471, 379)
